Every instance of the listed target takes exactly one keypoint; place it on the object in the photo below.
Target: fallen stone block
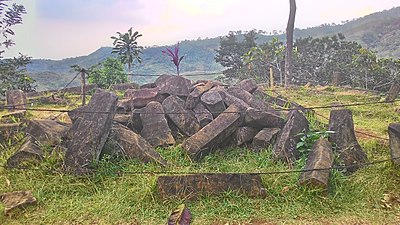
(123, 119)
(247, 97)
(394, 141)
(46, 132)
(128, 144)
(262, 119)
(264, 139)
(124, 105)
(140, 98)
(194, 186)
(13, 117)
(248, 85)
(202, 114)
(242, 136)
(209, 137)
(185, 120)
(213, 102)
(285, 146)
(350, 152)
(232, 100)
(29, 154)
(88, 134)
(17, 200)
(321, 157)
(194, 97)
(15, 99)
(175, 85)
(155, 126)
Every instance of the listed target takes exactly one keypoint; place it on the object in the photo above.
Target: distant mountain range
(378, 31)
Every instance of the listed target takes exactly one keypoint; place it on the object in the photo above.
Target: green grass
(111, 197)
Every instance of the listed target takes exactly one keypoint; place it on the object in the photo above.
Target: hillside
(379, 31)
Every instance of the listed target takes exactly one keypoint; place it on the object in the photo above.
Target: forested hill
(378, 31)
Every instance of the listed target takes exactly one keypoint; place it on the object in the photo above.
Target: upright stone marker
(394, 140)
(15, 99)
(350, 152)
(88, 134)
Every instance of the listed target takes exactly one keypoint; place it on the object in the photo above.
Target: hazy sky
(58, 29)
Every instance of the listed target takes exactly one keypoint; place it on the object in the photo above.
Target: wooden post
(271, 77)
(336, 79)
(83, 86)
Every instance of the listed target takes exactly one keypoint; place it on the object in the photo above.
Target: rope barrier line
(358, 165)
(182, 75)
(281, 109)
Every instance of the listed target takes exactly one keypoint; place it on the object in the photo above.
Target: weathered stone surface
(213, 102)
(265, 138)
(15, 99)
(124, 105)
(140, 98)
(232, 100)
(247, 97)
(350, 152)
(88, 134)
(194, 97)
(185, 120)
(175, 85)
(162, 79)
(209, 137)
(8, 130)
(28, 154)
(127, 143)
(45, 131)
(262, 119)
(17, 199)
(321, 157)
(394, 141)
(194, 186)
(202, 114)
(155, 126)
(248, 85)
(243, 135)
(124, 119)
(285, 146)
(136, 122)
(148, 85)
(393, 92)
(123, 87)
(78, 112)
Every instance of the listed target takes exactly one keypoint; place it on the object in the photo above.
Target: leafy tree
(231, 51)
(174, 56)
(126, 46)
(13, 75)
(9, 16)
(109, 72)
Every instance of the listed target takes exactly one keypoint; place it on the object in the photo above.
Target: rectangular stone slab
(88, 134)
(394, 141)
(209, 137)
(196, 185)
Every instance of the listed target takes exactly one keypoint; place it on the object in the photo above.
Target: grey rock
(394, 141)
(209, 137)
(262, 119)
(155, 126)
(202, 114)
(264, 139)
(213, 102)
(285, 146)
(184, 119)
(248, 85)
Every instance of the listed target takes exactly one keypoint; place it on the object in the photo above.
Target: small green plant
(308, 139)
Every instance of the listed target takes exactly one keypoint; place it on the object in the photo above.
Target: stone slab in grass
(197, 185)
(321, 157)
(350, 151)
(88, 134)
(46, 131)
(394, 141)
(29, 154)
(17, 199)
(211, 136)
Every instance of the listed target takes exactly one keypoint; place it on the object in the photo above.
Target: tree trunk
(289, 43)
(271, 77)
(393, 92)
(83, 87)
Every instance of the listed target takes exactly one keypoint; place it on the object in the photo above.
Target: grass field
(112, 197)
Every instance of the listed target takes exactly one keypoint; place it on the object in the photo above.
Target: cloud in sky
(67, 28)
